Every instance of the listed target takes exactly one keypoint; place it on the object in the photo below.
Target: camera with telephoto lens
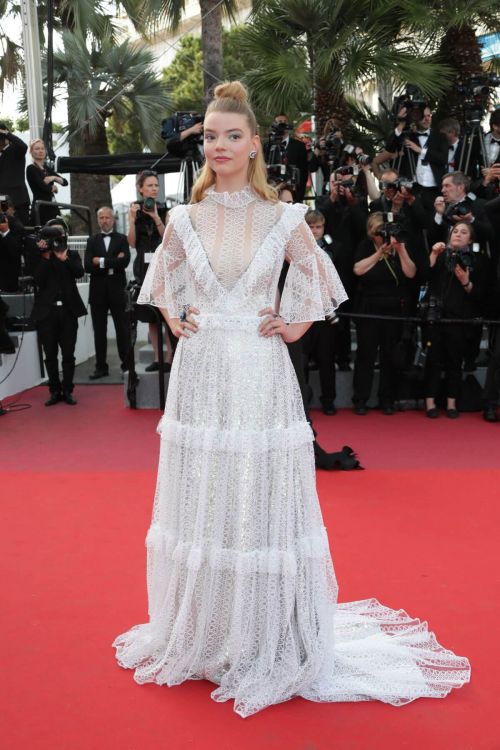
(459, 257)
(363, 159)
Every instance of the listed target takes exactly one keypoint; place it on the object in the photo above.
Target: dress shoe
(153, 367)
(329, 409)
(68, 399)
(54, 399)
(360, 409)
(489, 413)
(452, 413)
(432, 413)
(99, 374)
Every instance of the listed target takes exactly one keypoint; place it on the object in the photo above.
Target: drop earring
(253, 154)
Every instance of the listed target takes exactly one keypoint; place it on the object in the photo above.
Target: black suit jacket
(10, 256)
(56, 280)
(296, 155)
(103, 285)
(12, 161)
(437, 153)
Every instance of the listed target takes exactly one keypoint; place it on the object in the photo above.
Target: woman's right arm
(366, 264)
(437, 249)
(132, 215)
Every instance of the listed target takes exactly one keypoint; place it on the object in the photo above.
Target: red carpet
(417, 529)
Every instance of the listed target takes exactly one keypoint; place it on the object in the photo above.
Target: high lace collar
(238, 199)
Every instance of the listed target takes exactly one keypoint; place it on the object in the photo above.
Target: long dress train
(240, 580)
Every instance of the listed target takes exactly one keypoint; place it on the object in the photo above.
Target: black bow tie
(106, 234)
(495, 140)
(424, 132)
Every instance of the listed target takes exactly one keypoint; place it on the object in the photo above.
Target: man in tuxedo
(56, 310)
(423, 152)
(458, 149)
(492, 139)
(106, 257)
(11, 246)
(12, 168)
(294, 155)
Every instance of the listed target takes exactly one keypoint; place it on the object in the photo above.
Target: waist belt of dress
(228, 321)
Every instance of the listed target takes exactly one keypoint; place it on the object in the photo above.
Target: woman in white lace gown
(241, 585)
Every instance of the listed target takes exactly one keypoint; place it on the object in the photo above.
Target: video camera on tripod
(476, 92)
(414, 102)
(278, 169)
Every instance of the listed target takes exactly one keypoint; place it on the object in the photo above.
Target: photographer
(492, 383)
(43, 182)
(57, 307)
(11, 246)
(384, 268)
(423, 151)
(146, 225)
(344, 220)
(407, 210)
(12, 162)
(327, 152)
(293, 152)
(458, 149)
(456, 278)
(106, 257)
(319, 342)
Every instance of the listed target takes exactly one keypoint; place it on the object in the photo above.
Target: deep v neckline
(203, 253)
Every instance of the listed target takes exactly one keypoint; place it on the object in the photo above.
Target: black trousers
(375, 336)
(492, 383)
(320, 342)
(99, 313)
(59, 330)
(446, 344)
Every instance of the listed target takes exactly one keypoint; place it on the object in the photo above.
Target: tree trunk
(329, 104)
(89, 190)
(461, 51)
(211, 45)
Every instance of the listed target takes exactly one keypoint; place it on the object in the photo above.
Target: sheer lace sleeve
(312, 288)
(165, 284)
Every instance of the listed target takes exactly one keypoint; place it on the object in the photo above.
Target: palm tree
(450, 26)
(305, 47)
(103, 80)
(155, 13)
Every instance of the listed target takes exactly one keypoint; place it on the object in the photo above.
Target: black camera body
(431, 309)
(459, 257)
(414, 101)
(391, 229)
(278, 132)
(457, 209)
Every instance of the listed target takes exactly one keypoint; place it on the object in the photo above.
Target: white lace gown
(241, 585)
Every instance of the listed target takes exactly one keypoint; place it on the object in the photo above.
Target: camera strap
(391, 269)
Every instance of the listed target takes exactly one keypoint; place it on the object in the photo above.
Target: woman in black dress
(43, 182)
(146, 225)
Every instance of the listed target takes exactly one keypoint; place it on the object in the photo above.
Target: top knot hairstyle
(232, 97)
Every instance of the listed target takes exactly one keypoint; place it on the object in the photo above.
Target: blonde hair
(34, 142)
(232, 97)
(374, 223)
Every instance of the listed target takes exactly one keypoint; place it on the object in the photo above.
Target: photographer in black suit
(294, 154)
(57, 307)
(423, 152)
(11, 245)
(12, 163)
(106, 257)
